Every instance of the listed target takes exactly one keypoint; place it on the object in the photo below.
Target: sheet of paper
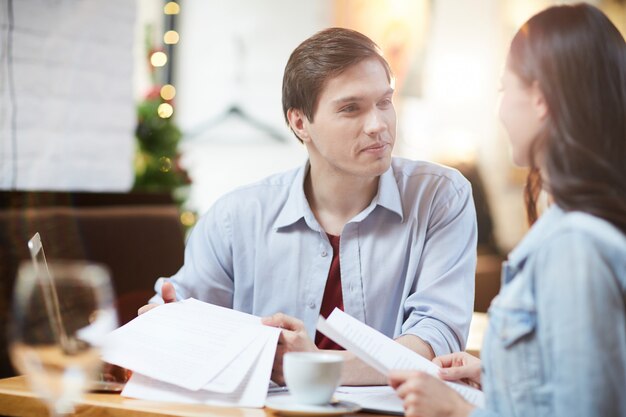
(187, 343)
(233, 375)
(379, 399)
(381, 352)
(252, 392)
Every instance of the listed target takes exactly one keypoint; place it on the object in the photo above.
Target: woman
(556, 343)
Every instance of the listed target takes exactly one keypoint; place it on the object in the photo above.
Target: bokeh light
(165, 110)
(168, 92)
(171, 37)
(158, 59)
(171, 8)
(187, 218)
(165, 164)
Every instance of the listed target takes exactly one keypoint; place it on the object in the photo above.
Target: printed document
(193, 351)
(252, 392)
(383, 353)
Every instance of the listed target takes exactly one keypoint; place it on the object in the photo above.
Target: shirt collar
(297, 207)
(543, 227)
(388, 193)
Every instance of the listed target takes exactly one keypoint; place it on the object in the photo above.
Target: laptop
(38, 257)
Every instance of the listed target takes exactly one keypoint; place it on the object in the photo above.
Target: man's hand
(169, 296)
(293, 338)
(460, 366)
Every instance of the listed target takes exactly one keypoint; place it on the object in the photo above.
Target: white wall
(455, 117)
(73, 109)
(234, 53)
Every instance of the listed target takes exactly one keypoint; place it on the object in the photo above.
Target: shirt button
(324, 253)
(352, 288)
(311, 304)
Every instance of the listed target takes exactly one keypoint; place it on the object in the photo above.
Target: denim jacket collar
(544, 226)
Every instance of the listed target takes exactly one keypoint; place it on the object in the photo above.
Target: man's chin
(379, 166)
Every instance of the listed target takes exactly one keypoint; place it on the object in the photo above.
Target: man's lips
(376, 147)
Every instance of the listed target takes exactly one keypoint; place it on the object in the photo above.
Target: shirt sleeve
(582, 305)
(207, 272)
(439, 311)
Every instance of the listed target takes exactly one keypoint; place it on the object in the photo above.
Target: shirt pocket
(515, 350)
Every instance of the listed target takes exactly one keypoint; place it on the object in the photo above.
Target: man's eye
(348, 109)
(385, 103)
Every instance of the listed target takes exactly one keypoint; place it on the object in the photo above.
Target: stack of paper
(374, 399)
(382, 353)
(195, 352)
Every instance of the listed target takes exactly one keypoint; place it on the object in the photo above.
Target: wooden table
(16, 400)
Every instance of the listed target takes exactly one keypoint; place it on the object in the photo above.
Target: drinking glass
(60, 315)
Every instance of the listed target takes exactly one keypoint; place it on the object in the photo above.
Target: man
(392, 242)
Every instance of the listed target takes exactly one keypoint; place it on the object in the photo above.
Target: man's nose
(374, 123)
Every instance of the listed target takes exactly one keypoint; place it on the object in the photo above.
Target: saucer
(286, 405)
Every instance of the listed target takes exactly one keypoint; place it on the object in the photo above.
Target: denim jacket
(556, 342)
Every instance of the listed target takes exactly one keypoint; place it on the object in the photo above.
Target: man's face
(355, 123)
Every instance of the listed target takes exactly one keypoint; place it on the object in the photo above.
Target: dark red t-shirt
(333, 296)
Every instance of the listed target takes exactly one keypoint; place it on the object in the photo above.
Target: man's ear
(298, 122)
(539, 102)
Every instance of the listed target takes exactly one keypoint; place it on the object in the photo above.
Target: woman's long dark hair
(578, 58)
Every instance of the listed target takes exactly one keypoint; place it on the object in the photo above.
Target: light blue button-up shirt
(556, 342)
(407, 260)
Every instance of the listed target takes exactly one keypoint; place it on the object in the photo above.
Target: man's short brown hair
(319, 58)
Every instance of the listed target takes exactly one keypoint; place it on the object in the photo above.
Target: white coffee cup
(312, 377)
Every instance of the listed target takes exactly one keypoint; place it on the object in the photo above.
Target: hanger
(235, 110)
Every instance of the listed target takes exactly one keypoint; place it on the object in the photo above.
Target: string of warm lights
(160, 59)
(168, 91)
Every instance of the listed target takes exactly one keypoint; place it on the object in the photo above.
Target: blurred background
(122, 121)
(76, 78)
(73, 74)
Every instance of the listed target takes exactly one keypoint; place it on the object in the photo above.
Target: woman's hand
(427, 396)
(460, 366)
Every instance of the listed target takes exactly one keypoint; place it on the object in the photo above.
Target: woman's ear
(298, 122)
(539, 102)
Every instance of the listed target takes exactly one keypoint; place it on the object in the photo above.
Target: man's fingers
(145, 308)
(278, 378)
(278, 367)
(280, 351)
(168, 293)
(283, 321)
